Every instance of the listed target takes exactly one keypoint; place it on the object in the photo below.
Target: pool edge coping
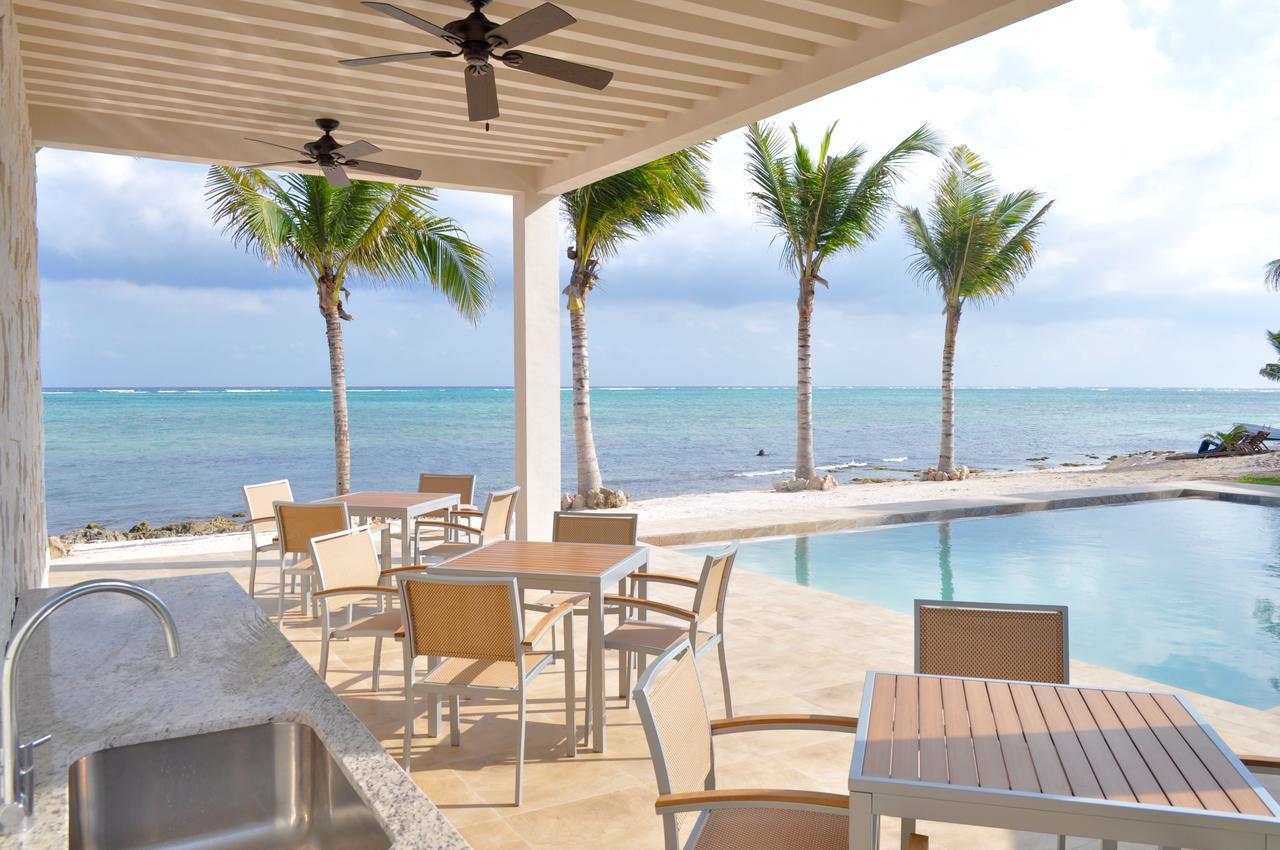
(939, 510)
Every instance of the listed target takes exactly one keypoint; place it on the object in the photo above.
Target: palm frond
(975, 244)
(1273, 275)
(372, 231)
(617, 209)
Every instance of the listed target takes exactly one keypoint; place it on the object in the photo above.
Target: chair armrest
(663, 577)
(262, 520)
(363, 590)
(455, 526)
(549, 619)
(657, 607)
(733, 798)
(759, 722)
(1261, 764)
(411, 568)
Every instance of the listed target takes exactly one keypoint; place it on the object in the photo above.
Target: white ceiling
(177, 79)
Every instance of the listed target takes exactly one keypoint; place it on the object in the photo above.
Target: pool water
(1185, 592)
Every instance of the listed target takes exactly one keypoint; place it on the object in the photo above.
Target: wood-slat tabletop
(523, 557)
(390, 499)
(1101, 744)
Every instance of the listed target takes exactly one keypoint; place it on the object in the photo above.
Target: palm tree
(375, 232)
(821, 205)
(975, 247)
(602, 217)
(1273, 275)
(1272, 370)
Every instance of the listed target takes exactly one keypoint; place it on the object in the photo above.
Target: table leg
(863, 824)
(595, 666)
(406, 528)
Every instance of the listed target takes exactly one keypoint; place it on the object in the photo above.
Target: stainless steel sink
(268, 787)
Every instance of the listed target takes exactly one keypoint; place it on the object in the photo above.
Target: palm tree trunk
(947, 452)
(804, 382)
(338, 383)
(588, 463)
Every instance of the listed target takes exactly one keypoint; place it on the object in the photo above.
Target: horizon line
(319, 387)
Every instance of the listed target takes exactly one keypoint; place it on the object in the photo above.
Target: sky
(1152, 124)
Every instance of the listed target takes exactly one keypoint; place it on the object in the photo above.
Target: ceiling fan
(476, 39)
(334, 159)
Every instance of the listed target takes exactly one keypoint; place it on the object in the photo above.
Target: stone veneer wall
(23, 545)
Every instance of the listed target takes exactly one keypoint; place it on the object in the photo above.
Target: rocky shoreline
(61, 545)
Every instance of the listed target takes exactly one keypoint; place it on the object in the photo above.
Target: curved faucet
(17, 795)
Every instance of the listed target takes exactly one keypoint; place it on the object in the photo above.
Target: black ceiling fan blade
(355, 150)
(281, 162)
(558, 69)
(336, 176)
(482, 94)
(396, 57)
(386, 168)
(274, 145)
(412, 20)
(536, 22)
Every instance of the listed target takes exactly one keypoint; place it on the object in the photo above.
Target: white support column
(536, 242)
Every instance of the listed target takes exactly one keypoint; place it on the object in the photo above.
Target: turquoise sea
(124, 454)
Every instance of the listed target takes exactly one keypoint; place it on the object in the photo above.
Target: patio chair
(471, 631)
(347, 573)
(1025, 643)
(260, 502)
(643, 638)
(698, 814)
(297, 523)
(497, 522)
(432, 482)
(567, 527)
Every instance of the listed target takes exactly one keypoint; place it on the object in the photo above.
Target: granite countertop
(96, 675)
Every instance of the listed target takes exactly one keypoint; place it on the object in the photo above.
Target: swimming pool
(1183, 591)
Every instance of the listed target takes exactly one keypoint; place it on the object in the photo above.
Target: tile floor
(791, 649)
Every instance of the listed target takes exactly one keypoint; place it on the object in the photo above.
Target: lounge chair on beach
(1234, 443)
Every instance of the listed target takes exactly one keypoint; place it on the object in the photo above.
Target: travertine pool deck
(817, 517)
(791, 649)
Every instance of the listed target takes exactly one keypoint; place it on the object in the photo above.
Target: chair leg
(377, 662)
(624, 673)
(908, 827)
(408, 720)
(455, 724)
(724, 680)
(1108, 844)
(280, 610)
(433, 716)
(1062, 842)
(553, 644)
(253, 566)
(570, 692)
(407, 655)
(520, 755)
(324, 643)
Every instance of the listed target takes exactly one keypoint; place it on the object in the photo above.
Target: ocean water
(121, 455)
(1184, 592)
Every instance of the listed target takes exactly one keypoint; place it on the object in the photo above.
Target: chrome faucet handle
(13, 815)
(27, 771)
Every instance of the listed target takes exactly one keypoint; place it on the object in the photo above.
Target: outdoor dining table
(1102, 763)
(404, 506)
(590, 568)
